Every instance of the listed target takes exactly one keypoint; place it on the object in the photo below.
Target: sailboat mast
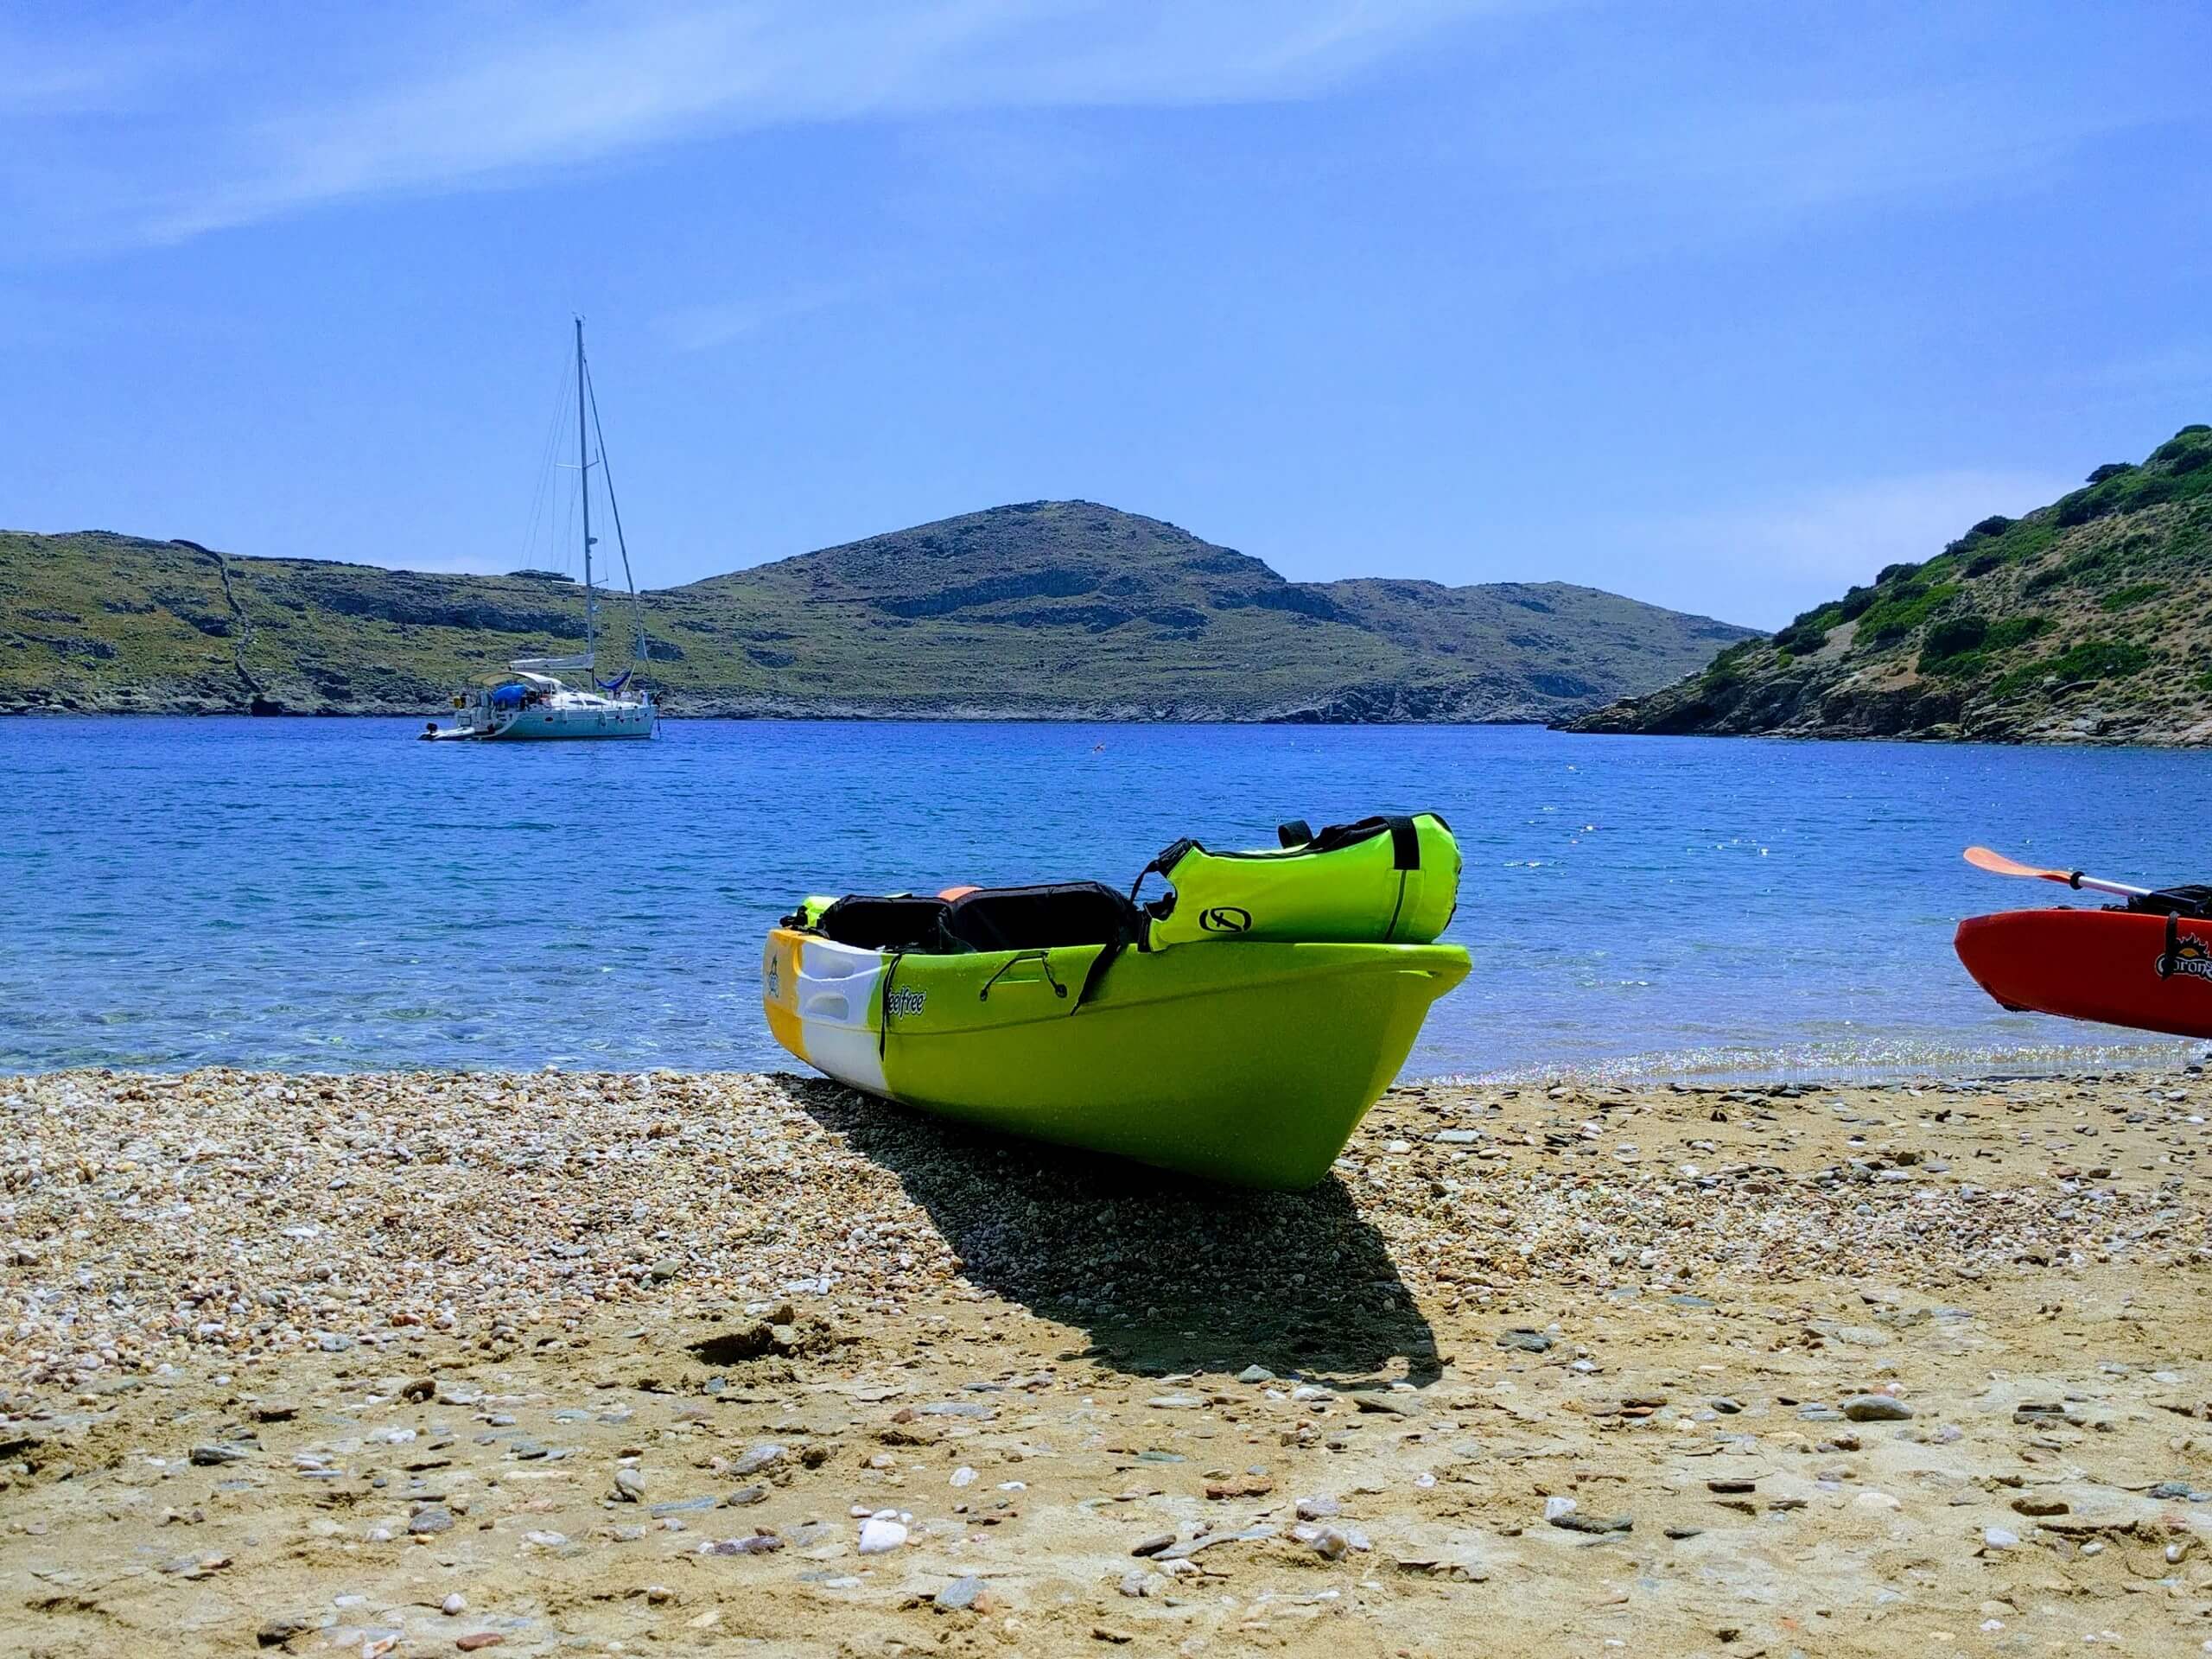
(583, 483)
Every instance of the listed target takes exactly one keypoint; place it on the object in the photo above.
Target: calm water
(329, 894)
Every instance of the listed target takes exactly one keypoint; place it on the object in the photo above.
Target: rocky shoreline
(1368, 706)
(549, 1363)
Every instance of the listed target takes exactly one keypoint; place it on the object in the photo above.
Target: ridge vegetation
(2090, 619)
(1050, 609)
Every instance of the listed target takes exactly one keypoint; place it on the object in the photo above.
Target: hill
(2089, 620)
(1050, 609)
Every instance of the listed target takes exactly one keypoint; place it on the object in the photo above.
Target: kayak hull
(2094, 964)
(1245, 1061)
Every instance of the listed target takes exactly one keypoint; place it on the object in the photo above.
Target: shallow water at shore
(330, 895)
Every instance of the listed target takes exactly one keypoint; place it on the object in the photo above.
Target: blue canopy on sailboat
(509, 695)
(618, 682)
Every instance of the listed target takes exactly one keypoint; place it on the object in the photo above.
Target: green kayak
(1047, 1012)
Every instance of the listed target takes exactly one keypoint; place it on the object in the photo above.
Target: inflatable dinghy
(1068, 1014)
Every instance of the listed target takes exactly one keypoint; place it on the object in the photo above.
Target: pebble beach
(560, 1363)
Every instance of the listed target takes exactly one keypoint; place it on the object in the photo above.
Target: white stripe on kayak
(837, 989)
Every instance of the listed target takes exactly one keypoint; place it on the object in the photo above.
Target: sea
(330, 895)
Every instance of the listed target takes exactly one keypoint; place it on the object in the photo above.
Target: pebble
(961, 1594)
(455, 1603)
(755, 1458)
(880, 1536)
(943, 1268)
(431, 1518)
(1998, 1538)
(1876, 1409)
(763, 1542)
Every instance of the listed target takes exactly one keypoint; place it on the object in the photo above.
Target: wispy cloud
(301, 107)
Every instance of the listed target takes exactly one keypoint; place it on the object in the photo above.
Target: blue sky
(1721, 305)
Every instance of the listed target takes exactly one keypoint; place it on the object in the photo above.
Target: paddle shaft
(2075, 879)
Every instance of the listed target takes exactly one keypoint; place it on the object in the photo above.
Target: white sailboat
(535, 704)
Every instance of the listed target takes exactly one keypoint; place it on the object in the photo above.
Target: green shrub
(2187, 451)
(1953, 636)
(1800, 639)
(2026, 539)
(1894, 617)
(1727, 669)
(2111, 469)
(1966, 665)
(2016, 631)
(1890, 573)
(2080, 507)
(1820, 616)
(2098, 659)
(2135, 593)
(1996, 525)
(1854, 604)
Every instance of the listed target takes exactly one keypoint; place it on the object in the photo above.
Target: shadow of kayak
(1164, 1274)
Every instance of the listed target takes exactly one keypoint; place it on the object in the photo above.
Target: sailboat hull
(541, 725)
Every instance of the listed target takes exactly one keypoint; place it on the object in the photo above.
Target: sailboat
(535, 703)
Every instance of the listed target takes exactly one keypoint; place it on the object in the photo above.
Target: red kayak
(2125, 968)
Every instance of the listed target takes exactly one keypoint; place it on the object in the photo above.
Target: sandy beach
(560, 1363)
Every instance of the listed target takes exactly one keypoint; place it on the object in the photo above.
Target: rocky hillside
(2089, 620)
(1051, 609)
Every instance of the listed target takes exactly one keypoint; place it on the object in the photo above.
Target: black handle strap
(1042, 958)
(883, 1020)
(1405, 844)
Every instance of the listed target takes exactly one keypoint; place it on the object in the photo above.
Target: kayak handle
(1044, 961)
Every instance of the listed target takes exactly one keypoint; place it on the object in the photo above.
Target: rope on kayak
(883, 1020)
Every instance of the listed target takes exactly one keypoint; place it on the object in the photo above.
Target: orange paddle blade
(1997, 864)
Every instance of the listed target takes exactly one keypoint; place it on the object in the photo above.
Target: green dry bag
(1392, 881)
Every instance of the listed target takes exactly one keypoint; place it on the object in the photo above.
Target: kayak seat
(1042, 918)
(900, 922)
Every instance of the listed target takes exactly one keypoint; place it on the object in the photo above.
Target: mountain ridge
(2089, 619)
(1045, 609)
